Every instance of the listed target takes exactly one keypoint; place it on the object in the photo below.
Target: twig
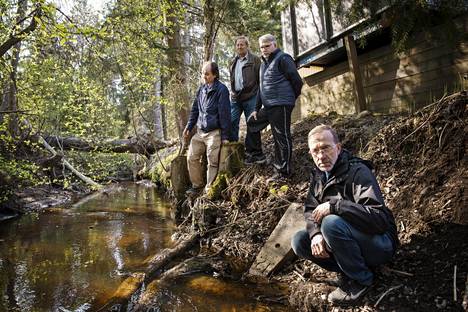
(422, 125)
(386, 293)
(397, 271)
(455, 283)
(299, 275)
(442, 135)
(402, 226)
(445, 205)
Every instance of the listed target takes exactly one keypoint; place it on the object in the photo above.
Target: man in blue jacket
(280, 85)
(349, 229)
(211, 114)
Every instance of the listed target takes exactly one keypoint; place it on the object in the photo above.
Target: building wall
(391, 83)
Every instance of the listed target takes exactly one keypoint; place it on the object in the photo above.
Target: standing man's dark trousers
(279, 117)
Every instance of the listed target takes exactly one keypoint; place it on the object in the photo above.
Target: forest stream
(73, 258)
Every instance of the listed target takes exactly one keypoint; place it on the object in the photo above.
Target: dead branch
(386, 293)
(15, 38)
(69, 166)
(455, 283)
(387, 269)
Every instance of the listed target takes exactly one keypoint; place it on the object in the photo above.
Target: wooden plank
(424, 82)
(356, 73)
(310, 70)
(405, 68)
(277, 249)
(327, 73)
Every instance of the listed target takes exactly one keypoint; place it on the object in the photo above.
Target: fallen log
(187, 267)
(153, 266)
(145, 146)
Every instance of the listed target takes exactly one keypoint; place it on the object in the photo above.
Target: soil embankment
(421, 166)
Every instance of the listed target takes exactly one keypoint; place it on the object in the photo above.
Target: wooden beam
(328, 19)
(355, 73)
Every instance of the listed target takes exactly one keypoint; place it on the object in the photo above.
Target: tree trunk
(16, 38)
(10, 100)
(209, 23)
(177, 70)
(158, 114)
(132, 145)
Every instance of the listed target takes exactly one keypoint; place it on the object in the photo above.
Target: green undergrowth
(103, 166)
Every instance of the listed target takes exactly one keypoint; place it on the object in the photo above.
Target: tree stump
(231, 160)
(180, 179)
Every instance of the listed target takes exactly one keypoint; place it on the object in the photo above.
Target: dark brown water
(67, 259)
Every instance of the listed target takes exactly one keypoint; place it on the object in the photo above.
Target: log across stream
(107, 253)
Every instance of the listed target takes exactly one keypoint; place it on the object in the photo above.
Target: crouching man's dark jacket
(354, 195)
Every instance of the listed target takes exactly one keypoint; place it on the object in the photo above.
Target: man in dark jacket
(349, 228)
(280, 85)
(243, 71)
(210, 112)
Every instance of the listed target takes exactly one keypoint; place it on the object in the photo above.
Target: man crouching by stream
(349, 229)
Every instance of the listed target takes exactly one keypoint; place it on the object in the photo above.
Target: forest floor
(421, 165)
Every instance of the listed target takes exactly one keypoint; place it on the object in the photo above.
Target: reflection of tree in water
(24, 294)
(113, 243)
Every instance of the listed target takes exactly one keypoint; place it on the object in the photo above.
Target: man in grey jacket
(349, 228)
(243, 70)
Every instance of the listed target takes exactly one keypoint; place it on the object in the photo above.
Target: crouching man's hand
(318, 247)
(320, 212)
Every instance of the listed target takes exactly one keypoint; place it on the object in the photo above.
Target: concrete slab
(277, 249)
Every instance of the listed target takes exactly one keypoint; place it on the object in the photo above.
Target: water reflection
(67, 258)
(24, 295)
(209, 294)
(74, 259)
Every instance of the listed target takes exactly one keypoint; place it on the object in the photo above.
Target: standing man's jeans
(352, 252)
(279, 117)
(237, 107)
(201, 143)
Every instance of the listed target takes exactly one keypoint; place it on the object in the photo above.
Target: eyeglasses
(265, 46)
(324, 149)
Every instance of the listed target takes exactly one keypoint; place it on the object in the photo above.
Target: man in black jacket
(280, 86)
(349, 228)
